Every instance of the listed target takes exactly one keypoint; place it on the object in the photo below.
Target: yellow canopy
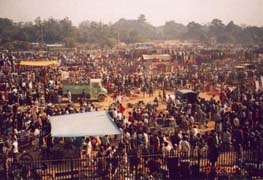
(39, 63)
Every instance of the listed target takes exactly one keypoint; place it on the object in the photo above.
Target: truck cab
(92, 89)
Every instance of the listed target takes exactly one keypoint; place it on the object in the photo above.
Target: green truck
(92, 90)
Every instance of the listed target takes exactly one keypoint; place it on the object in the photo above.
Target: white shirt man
(119, 98)
(146, 139)
(15, 146)
(167, 147)
(119, 115)
(114, 114)
(184, 147)
(89, 149)
(69, 96)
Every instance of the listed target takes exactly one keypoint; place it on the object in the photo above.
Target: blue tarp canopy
(97, 123)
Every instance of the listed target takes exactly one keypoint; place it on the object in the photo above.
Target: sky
(157, 12)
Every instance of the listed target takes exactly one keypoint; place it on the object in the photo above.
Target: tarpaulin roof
(156, 56)
(97, 123)
(39, 63)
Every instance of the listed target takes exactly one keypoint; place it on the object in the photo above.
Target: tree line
(20, 35)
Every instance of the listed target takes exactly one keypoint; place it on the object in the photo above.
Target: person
(118, 98)
(160, 96)
(69, 96)
(134, 160)
(78, 142)
(101, 164)
(175, 139)
(164, 96)
(213, 148)
(155, 142)
(37, 138)
(156, 102)
(144, 91)
(49, 142)
(167, 148)
(173, 165)
(105, 141)
(154, 165)
(218, 123)
(185, 149)
(122, 108)
(151, 90)
(15, 148)
(226, 140)
(89, 148)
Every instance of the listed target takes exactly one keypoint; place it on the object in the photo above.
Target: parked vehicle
(91, 89)
(189, 95)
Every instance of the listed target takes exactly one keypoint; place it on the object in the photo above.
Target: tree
(195, 31)
(141, 18)
(92, 34)
(172, 30)
(217, 30)
(67, 29)
(7, 30)
(231, 32)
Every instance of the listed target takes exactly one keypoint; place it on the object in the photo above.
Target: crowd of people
(30, 95)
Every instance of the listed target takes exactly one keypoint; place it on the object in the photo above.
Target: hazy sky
(249, 12)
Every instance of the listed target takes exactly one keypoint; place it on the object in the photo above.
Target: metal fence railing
(195, 165)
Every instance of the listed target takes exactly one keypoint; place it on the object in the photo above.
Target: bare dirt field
(140, 97)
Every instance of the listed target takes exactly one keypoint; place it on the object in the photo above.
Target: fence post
(258, 163)
(71, 168)
(6, 169)
(198, 158)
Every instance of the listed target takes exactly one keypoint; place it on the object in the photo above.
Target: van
(92, 89)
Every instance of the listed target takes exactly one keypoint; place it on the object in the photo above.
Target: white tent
(97, 123)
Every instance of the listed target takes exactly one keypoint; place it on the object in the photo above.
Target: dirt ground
(139, 97)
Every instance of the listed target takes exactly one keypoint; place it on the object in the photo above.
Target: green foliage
(195, 31)
(7, 30)
(173, 30)
(130, 31)
(97, 34)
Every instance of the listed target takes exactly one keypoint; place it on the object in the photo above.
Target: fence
(196, 165)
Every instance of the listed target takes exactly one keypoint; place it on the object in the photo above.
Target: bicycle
(25, 157)
(25, 172)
